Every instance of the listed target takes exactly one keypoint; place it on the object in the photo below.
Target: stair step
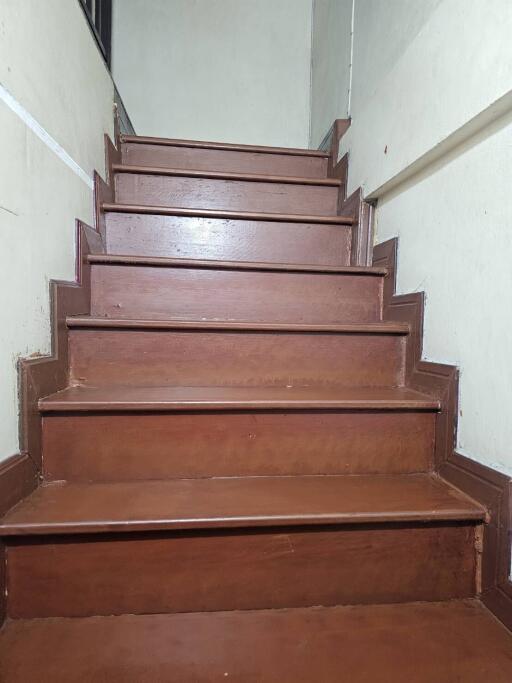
(236, 236)
(224, 213)
(439, 642)
(224, 192)
(63, 508)
(138, 352)
(209, 264)
(179, 398)
(104, 433)
(127, 446)
(162, 288)
(223, 175)
(291, 151)
(227, 239)
(238, 543)
(222, 157)
(385, 327)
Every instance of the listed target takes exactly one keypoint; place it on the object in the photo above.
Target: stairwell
(239, 482)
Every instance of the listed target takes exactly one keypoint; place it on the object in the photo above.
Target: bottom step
(77, 550)
(424, 643)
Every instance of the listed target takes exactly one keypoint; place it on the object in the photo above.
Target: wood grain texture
(168, 398)
(234, 195)
(104, 189)
(3, 582)
(407, 643)
(202, 144)
(44, 375)
(109, 205)
(499, 601)
(240, 570)
(362, 230)
(88, 322)
(228, 160)
(110, 447)
(361, 252)
(18, 477)
(435, 379)
(491, 488)
(223, 175)
(144, 357)
(227, 239)
(331, 142)
(208, 264)
(244, 502)
(131, 291)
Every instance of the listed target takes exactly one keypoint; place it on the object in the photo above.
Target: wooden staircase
(238, 484)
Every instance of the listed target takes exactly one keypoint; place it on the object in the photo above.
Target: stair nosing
(238, 522)
(114, 207)
(226, 146)
(54, 404)
(137, 169)
(235, 325)
(230, 520)
(211, 264)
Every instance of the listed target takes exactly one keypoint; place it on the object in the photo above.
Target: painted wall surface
(431, 140)
(391, 25)
(454, 70)
(226, 70)
(330, 65)
(51, 76)
(454, 224)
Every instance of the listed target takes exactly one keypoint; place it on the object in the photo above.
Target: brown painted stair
(237, 482)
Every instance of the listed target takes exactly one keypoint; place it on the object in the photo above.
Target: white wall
(226, 70)
(53, 81)
(431, 140)
(330, 65)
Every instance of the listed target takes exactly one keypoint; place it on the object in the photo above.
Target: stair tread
(237, 502)
(169, 398)
(226, 213)
(224, 175)
(129, 259)
(422, 642)
(87, 321)
(293, 151)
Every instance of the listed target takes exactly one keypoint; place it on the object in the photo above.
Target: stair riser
(195, 358)
(228, 240)
(124, 447)
(288, 567)
(227, 161)
(230, 195)
(195, 294)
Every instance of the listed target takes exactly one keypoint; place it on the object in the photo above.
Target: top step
(223, 157)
